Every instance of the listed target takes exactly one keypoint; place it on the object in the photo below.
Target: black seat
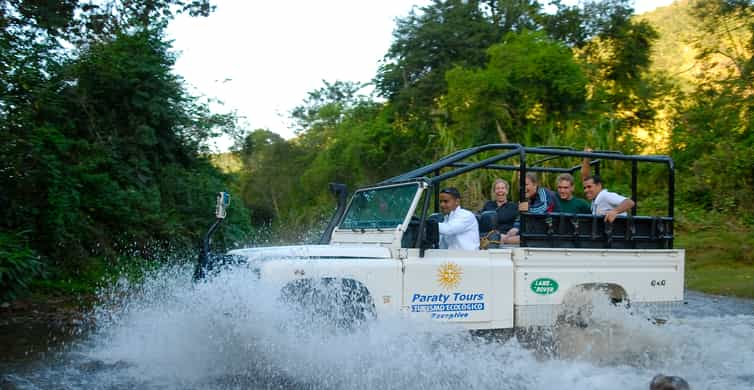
(562, 230)
(411, 234)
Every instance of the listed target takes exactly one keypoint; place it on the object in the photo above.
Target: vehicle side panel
(473, 288)
(380, 276)
(545, 277)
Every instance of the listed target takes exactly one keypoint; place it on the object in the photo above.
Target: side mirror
(431, 239)
(204, 264)
(223, 201)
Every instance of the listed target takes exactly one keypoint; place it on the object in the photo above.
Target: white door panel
(460, 286)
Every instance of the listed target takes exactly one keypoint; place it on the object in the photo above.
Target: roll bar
(458, 164)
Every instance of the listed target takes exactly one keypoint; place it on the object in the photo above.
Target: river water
(232, 333)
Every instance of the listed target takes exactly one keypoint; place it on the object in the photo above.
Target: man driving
(459, 229)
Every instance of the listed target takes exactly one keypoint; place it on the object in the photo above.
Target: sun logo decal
(449, 275)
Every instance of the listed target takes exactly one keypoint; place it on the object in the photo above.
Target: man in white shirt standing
(605, 202)
(459, 229)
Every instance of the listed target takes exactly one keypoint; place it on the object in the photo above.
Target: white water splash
(232, 332)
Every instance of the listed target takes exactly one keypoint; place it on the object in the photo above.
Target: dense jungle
(105, 170)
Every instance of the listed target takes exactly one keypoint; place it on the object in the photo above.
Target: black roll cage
(433, 175)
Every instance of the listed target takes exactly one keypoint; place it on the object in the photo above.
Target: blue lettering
(460, 297)
(449, 316)
(446, 307)
(430, 298)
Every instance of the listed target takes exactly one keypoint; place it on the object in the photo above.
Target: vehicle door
(459, 286)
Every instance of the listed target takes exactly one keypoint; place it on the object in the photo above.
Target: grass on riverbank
(719, 254)
(98, 273)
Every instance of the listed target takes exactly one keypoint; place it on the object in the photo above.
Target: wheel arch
(614, 291)
(330, 292)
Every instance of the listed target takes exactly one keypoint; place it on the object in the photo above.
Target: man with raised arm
(459, 229)
(604, 202)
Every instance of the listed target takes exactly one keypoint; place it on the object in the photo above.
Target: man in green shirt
(569, 203)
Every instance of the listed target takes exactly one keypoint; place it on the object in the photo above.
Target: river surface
(231, 333)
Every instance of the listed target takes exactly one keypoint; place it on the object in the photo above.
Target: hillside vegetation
(708, 54)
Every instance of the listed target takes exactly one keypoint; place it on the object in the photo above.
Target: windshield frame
(419, 187)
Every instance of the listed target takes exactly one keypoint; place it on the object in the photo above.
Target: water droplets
(232, 331)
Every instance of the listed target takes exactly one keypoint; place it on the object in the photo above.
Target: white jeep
(380, 253)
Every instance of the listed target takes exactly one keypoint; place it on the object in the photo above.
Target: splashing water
(233, 332)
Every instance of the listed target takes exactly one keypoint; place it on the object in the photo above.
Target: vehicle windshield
(378, 208)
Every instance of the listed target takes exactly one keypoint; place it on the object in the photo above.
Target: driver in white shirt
(459, 229)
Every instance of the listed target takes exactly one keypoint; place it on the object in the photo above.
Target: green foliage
(19, 264)
(578, 25)
(324, 107)
(528, 81)
(285, 183)
(269, 174)
(102, 149)
(227, 162)
(119, 157)
(427, 44)
(673, 51)
(720, 176)
(446, 34)
(719, 252)
(617, 66)
(713, 140)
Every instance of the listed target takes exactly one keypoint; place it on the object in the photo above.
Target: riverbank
(30, 326)
(719, 254)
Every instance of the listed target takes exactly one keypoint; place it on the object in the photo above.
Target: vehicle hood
(314, 251)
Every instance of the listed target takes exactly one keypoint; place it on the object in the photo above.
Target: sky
(260, 58)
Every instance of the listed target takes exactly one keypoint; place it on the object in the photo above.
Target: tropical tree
(529, 80)
(714, 138)
(101, 146)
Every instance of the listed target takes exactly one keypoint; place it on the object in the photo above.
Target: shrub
(19, 264)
